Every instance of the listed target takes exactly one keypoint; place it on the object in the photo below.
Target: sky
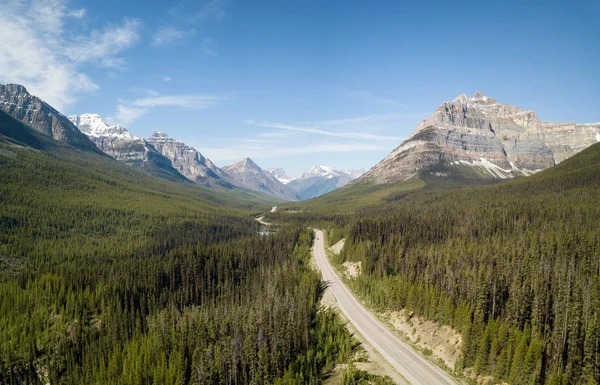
(292, 84)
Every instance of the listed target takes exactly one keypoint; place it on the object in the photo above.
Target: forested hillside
(110, 276)
(514, 267)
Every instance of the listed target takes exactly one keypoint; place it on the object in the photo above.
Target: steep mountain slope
(247, 174)
(321, 180)
(120, 144)
(484, 139)
(16, 102)
(189, 161)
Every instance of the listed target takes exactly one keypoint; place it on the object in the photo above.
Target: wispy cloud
(129, 111)
(209, 46)
(167, 35)
(260, 150)
(319, 131)
(77, 13)
(191, 102)
(44, 49)
(167, 79)
(184, 19)
(127, 114)
(209, 10)
(102, 46)
(376, 99)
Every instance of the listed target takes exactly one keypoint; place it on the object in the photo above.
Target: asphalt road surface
(411, 365)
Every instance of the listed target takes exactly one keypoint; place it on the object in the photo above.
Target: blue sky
(293, 84)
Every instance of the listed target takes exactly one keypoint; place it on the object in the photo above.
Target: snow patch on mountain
(93, 126)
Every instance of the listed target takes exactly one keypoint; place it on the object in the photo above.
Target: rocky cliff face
(189, 161)
(247, 174)
(494, 140)
(37, 114)
(120, 144)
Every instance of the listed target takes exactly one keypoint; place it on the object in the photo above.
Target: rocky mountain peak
(14, 88)
(247, 163)
(32, 111)
(496, 140)
(245, 173)
(188, 161)
(161, 135)
(462, 98)
(480, 97)
(94, 126)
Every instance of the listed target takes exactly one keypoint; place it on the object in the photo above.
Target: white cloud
(320, 131)
(167, 79)
(127, 114)
(101, 46)
(166, 35)
(78, 14)
(190, 102)
(261, 150)
(41, 50)
(128, 111)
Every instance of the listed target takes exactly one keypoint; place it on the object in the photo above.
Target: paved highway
(411, 365)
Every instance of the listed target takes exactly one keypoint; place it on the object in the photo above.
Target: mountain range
(481, 138)
(318, 181)
(474, 137)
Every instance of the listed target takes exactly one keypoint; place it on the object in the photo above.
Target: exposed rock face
(322, 179)
(189, 161)
(497, 140)
(120, 144)
(37, 114)
(247, 174)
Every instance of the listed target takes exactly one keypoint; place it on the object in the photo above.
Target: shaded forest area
(108, 276)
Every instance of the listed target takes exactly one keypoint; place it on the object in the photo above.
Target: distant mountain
(123, 146)
(32, 111)
(318, 181)
(478, 137)
(248, 174)
(280, 174)
(189, 161)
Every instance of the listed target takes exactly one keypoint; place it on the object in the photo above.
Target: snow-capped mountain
(189, 161)
(318, 180)
(93, 126)
(42, 117)
(280, 174)
(480, 138)
(247, 174)
(123, 146)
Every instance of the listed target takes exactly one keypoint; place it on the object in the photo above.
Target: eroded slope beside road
(410, 364)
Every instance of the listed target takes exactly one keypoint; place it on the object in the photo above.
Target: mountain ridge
(123, 146)
(247, 174)
(317, 181)
(497, 140)
(32, 111)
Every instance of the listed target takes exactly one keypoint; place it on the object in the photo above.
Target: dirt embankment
(337, 248)
(443, 342)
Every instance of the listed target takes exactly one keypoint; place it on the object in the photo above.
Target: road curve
(410, 364)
